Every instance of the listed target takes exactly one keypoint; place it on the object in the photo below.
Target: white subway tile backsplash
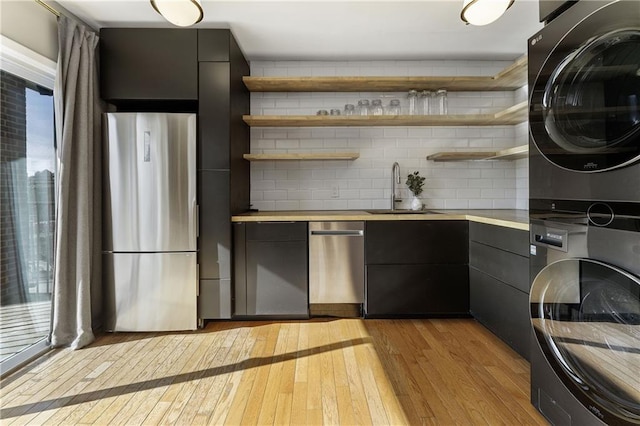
(365, 183)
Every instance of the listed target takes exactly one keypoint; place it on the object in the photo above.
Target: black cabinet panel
(214, 112)
(503, 265)
(417, 290)
(508, 239)
(213, 45)
(416, 242)
(271, 269)
(214, 242)
(239, 132)
(275, 231)
(277, 278)
(214, 300)
(502, 309)
(148, 64)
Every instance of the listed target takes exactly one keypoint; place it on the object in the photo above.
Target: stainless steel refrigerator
(150, 222)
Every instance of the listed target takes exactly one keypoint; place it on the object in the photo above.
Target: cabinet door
(416, 242)
(214, 242)
(213, 45)
(276, 274)
(214, 300)
(415, 290)
(148, 64)
(214, 112)
(502, 309)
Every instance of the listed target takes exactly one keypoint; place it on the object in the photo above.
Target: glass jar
(441, 100)
(413, 102)
(349, 109)
(425, 102)
(363, 107)
(376, 107)
(393, 108)
(334, 111)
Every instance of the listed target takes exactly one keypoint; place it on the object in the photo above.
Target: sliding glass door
(27, 216)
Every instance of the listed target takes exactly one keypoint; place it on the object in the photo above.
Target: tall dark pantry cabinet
(192, 70)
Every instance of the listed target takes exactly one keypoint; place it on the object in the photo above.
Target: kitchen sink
(401, 211)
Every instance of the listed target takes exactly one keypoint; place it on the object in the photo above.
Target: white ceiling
(339, 30)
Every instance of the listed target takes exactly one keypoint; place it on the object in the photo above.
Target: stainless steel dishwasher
(336, 268)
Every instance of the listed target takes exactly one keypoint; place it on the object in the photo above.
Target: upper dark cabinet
(148, 64)
(213, 45)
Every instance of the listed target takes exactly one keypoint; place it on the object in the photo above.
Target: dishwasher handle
(340, 233)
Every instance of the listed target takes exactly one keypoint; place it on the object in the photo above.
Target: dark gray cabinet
(499, 282)
(148, 64)
(271, 269)
(416, 268)
(223, 138)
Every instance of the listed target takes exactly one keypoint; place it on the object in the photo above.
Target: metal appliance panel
(150, 182)
(585, 301)
(336, 262)
(150, 291)
(551, 46)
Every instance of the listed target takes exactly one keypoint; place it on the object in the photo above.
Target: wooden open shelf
(511, 78)
(303, 156)
(514, 153)
(513, 115)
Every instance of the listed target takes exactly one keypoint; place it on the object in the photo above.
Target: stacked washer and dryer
(584, 174)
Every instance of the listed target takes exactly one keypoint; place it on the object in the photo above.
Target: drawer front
(416, 242)
(508, 239)
(417, 290)
(502, 309)
(502, 265)
(276, 231)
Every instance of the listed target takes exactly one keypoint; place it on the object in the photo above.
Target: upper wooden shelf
(512, 115)
(514, 153)
(511, 78)
(303, 156)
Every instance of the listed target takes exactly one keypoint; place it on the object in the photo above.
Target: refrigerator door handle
(197, 220)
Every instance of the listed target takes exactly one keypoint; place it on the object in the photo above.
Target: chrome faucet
(395, 180)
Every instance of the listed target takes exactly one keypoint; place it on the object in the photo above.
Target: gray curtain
(77, 276)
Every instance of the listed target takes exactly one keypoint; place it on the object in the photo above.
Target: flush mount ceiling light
(483, 12)
(182, 13)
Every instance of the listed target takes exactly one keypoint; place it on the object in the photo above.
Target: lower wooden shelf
(514, 153)
(303, 156)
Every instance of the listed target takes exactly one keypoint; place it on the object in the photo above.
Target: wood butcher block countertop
(516, 219)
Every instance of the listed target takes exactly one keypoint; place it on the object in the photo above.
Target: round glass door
(585, 104)
(586, 318)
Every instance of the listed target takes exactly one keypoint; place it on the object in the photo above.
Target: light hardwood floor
(333, 371)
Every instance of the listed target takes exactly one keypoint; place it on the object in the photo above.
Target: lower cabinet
(214, 300)
(271, 272)
(502, 309)
(499, 283)
(414, 290)
(416, 268)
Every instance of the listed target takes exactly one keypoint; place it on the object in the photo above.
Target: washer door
(586, 318)
(585, 103)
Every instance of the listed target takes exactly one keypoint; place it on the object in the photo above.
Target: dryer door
(585, 104)
(586, 318)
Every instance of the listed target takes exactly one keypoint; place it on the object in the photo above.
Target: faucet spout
(395, 180)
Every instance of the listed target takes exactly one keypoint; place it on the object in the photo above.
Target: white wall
(31, 25)
(366, 182)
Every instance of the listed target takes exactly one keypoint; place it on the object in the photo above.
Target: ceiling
(340, 30)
